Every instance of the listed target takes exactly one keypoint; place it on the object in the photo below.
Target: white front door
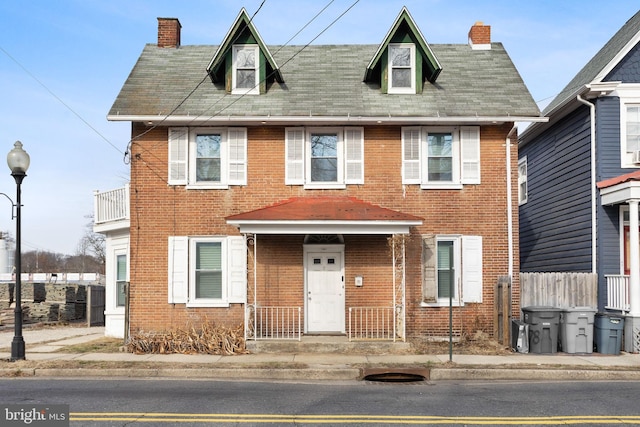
(325, 290)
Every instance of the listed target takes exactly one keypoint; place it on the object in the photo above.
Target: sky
(62, 64)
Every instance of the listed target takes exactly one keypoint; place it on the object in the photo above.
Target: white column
(634, 256)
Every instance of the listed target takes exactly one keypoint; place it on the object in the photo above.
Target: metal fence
(372, 323)
(276, 323)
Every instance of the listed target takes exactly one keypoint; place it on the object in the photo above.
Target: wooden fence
(561, 289)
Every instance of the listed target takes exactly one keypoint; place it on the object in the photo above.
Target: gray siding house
(579, 179)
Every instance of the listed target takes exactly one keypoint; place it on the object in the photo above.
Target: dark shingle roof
(325, 80)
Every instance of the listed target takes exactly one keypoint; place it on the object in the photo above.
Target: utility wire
(59, 99)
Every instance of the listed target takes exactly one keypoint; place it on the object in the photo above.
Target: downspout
(592, 109)
(509, 203)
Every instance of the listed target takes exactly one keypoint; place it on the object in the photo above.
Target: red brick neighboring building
(348, 191)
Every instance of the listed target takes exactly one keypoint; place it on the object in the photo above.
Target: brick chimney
(169, 32)
(480, 36)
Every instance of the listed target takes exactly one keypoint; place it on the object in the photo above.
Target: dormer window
(402, 71)
(245, 69)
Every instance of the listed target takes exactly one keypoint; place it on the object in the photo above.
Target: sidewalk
(43, 345)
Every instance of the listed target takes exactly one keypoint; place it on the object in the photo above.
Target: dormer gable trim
(433, 67)
(240, 25)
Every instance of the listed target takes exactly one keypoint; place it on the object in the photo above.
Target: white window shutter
(294, 156)
(237, 269)
(178, 269)
(237, 141)
(411, 155)
(472, 268)
(178, 143)
(354, 155)
(470, 147)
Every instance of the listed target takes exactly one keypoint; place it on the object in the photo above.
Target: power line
(59, 99)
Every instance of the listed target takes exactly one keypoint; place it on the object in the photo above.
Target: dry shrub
(208, 339)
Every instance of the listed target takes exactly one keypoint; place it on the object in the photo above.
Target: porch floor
(328, 344)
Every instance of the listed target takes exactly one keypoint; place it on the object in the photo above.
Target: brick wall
(159, 211)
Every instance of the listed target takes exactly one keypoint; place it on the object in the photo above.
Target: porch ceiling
(324, 215)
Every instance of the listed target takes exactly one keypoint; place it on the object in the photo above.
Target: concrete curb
(326, 373)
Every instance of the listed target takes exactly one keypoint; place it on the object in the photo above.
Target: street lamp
(18, 161)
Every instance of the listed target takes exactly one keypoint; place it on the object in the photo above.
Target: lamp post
(18, 161)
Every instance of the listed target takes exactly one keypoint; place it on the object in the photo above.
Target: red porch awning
(324, 215)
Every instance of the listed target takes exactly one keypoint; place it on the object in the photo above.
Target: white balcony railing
(617, 293)
(372, 323)
(112, 205)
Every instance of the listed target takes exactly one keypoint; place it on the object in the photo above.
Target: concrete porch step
(328, 344)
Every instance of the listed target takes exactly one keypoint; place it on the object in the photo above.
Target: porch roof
(620, 189)
(324, 215)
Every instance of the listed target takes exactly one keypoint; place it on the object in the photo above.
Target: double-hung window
(522, 181)
(451, 270)
(441, 157)
(401, 68)
(207, 271)
(246, 74)
(324, 157)
(121, 280)
(631, 131)
(208, 157)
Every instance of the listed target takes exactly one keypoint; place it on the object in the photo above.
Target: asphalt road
(146, 402)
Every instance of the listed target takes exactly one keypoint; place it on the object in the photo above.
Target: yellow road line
(350, 419)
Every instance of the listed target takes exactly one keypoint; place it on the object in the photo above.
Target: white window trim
(182, 157)
(457, 266)
(455, 182)
(339, 183)
(626, 158)
(298, 156)
(523, 198)
(459, 243)
(223, 158)
(458, 181)
(118, 253)
(402, 90)
(181, 271)
(255, 90)
(192, 301)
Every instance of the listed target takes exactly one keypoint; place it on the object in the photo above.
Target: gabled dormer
(243, 61)
(404, 59)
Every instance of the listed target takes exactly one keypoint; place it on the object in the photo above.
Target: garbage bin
(519, 336)
(543, 328)
(576, 329)
(608, 333)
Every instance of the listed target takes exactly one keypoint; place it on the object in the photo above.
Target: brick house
(342, 189)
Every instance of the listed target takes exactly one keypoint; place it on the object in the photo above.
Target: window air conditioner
(635, 157)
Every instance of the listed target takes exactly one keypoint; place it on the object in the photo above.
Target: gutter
(592, 111)
(152, 120)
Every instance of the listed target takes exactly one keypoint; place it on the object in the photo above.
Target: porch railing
(276, 323)
(617, 293)
(372, 323)
(112, 205)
